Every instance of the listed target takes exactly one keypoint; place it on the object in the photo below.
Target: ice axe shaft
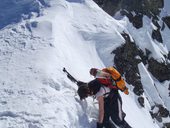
(70, 77)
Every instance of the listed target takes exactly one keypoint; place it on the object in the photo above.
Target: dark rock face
(109, 6)
(150, 8)
(136, 20)
(157, 35)
(160, 71)
(167, 20)
(161, 112)
(128, 56)
(141, 101)
(167, 125)
(126, 60)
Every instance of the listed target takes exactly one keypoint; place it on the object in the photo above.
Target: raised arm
(101, 109)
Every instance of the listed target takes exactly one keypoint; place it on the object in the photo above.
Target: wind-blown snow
(34, 91)
(149, 86)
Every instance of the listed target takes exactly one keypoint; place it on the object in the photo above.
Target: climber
(105, 88)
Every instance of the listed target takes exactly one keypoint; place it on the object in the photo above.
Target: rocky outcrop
(160, 71)
(167, 125)
(141, 101)
(167, 21)
(110, 6)
(150, 8)
(157, 35)
(127, 58)
(136, 20)
(159, 112)
(147, 7)
(135, 10)
(129, 55)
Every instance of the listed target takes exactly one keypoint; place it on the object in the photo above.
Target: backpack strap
(110, 83)
(106, 93)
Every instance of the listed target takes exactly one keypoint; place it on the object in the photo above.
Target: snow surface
(142, 37)
(166, 8)
(75, 34)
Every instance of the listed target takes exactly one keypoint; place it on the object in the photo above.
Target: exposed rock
(136, 20)
(141, 101)
(152, 114)
(146, 7)
(163, 112)
(155, 22)
(160, 71)
(138, 90)
(128, 56)
(157, 35)
(158, 112)
(167, 125)
(109, 6)
(150, 8)
(167, 20)
(158, 118)
(126, 61)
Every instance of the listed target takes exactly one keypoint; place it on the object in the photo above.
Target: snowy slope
(156, 92)
(34, 92)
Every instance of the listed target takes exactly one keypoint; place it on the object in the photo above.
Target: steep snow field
(34, 92)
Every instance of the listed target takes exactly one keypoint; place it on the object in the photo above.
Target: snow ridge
(75, 34)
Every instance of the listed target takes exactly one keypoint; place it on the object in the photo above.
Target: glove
(99, 125)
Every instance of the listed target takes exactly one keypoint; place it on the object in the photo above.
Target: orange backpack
(120, 83)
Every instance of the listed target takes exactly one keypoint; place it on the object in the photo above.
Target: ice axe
(71, 78)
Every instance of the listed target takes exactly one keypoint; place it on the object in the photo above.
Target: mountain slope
(35, 93)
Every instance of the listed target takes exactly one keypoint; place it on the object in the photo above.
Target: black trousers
(113, 110)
